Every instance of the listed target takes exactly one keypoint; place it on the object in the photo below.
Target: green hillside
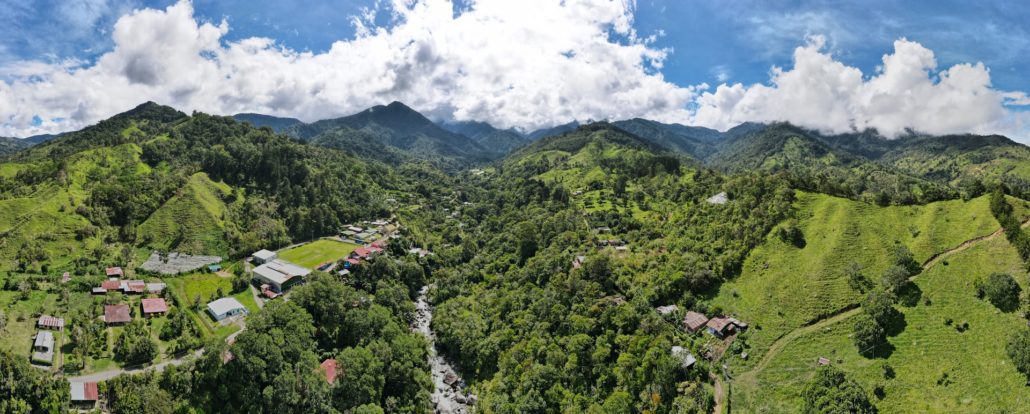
(191, 221)
(937, 368)
(783, 287)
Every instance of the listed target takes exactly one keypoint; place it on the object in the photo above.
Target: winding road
(111, 373)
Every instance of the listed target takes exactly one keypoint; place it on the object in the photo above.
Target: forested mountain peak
(278, 124)
(598, 132)
(151, 111)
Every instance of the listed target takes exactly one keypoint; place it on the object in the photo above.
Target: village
(216, 295)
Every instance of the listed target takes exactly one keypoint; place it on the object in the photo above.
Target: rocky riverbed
(448, 388)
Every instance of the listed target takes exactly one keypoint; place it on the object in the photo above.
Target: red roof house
(694, 321)
(135, 286)
(111, 285)
(329, 366)
(380, 244)
(115, 272)
(50, 322)
(154, 306)
(362, 252)
(84, 393)
(117, 314)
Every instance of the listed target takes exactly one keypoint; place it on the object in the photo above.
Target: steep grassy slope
(783, 287)
(938, 369)
(191, 221)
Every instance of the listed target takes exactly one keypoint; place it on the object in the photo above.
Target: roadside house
(84, 395)
(155, 306)
(694, 321)
(264, 256)
(280, 275)
(225, 307)
(117, 315)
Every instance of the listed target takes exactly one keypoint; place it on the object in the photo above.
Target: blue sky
(699, 42)
(740, 39)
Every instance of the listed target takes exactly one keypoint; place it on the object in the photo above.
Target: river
(449, 399)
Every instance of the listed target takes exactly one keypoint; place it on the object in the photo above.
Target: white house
(264, 256)
(226, 307)
(280, 274)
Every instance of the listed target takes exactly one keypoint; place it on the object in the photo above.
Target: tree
(134, 345)
(240, 282)
(895, 279)
(1019, 350)
(880, 306)
(832, 391)
(903, 257)
(1001, 290)
(856, 279)
(361, 379)
(791, 233)
(868, 335)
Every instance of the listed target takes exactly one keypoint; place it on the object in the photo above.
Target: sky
(935, 67)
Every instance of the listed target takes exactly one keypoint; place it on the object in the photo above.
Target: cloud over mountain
(527, 64)
(904, 94)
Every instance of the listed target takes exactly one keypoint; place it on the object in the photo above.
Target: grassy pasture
(783, 287)
(317, 252)
(938, 369)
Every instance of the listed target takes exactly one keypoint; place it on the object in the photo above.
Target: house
(667, 309)
(721, 326)
(280, 275)
(365, 252)
(66, 277)
(99, 291)
(264, 256)
(133, 286)
(823, 361)
(214, 268)
(686, 359)
(225, 307)
(720, 198)
(379, 244)
(156, 287)
(329, 367)
(350, 263)
(155, 306)
(43, 347)
(50, 322)
(109, 285)
(115, 272)
(694, 321)
(578, 262)
(604, 229)
(355, 229)
(117, 314)
(84, 394)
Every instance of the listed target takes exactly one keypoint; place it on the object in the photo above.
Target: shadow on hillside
(895, 324)
(910, 295)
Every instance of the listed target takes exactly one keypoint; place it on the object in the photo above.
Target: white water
(448, 399)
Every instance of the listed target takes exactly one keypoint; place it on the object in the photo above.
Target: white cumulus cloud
(906, 93)
(526, 64)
